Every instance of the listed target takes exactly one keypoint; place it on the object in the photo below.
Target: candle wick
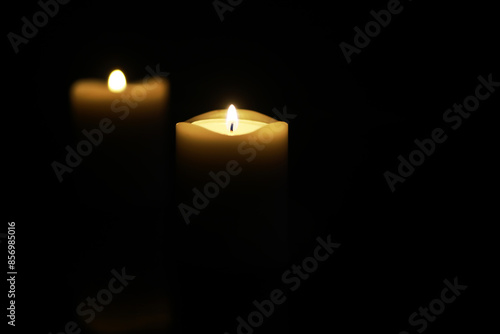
(231, 129)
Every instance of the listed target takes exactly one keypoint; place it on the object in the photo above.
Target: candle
(232, 166)
(231, 173)
(125, 124)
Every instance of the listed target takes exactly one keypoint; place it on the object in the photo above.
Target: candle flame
(232, 118)
(117, 82)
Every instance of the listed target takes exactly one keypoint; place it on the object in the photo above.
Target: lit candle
(125, 124)
(231, 174)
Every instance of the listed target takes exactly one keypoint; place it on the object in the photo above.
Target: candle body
(232, 193)
(123, 183)
(127, 130)
(236, 184)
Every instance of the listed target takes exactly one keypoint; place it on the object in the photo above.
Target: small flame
(117, 82)
(232, 119)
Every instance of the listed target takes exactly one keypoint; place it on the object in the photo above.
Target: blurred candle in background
(125, 124)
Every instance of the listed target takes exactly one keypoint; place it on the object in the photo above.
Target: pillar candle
(232, 177)
(231, 168)
(125, 123)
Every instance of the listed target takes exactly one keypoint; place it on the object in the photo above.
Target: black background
(353, 120)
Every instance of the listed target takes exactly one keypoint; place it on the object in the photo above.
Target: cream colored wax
(128, 160)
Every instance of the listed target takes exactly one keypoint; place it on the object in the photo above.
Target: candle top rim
(243, 114)
(224, 120)
(254, 126)
(104, 82)
(91, 91)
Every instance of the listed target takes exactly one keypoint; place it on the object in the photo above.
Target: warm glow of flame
(232, 118)
(117, 82)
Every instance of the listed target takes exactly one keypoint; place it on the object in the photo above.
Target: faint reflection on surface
(136, 315)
